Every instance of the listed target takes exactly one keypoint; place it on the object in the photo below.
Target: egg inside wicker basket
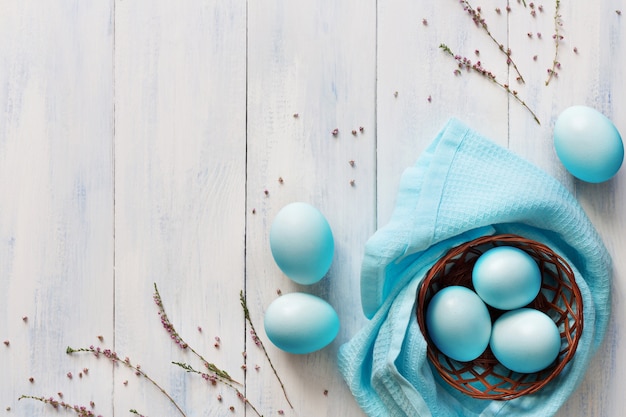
(559, 298)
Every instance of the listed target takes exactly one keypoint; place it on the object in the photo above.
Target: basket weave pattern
(559, 298)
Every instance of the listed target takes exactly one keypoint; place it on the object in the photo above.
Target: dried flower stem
(465, 63)
(480, 22)
(113, 356)
(557, 40)
(218, 375)
(207, 377)
(240, 395)
(258, 342)
(221, 374)
(81, 411)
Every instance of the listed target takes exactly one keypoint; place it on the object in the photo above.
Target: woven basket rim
(573, 311)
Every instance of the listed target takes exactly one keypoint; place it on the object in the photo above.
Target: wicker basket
(560, 298)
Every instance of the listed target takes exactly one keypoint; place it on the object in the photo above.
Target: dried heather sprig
(480, 22)
(258, 342)
(113, 357)
(221, 374)
(217, 374)
(557, 37)
(80, 410)
(465, 63)
(212, 380)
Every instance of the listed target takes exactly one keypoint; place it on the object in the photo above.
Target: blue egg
(302, 243)
(525, 340)
(506, 278)
(458, 323)
(588, 144)
(300, 323)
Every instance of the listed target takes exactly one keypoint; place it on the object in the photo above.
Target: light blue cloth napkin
(462, 187)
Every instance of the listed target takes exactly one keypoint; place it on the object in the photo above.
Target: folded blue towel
(462, 187)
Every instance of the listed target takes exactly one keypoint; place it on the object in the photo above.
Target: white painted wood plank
(317, 60)
(411, 64)
(590, 56)
(180, 197)
(56, 215)
(536, 53)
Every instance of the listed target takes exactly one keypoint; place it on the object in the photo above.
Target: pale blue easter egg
(302, 243)
(506, 278)
(588, 144)
(525, 340)
(300, 323)
(458, 323)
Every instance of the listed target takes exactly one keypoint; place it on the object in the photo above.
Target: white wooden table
(143, 141)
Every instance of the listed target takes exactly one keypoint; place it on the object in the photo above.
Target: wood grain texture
(180, 197)
(418, 90)
(317, 60)
(56, 182)
(587, 76)
(147, 142)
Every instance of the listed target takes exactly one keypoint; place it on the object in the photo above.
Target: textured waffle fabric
(464, 186)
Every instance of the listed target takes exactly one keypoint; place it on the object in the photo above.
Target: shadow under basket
(559, 298)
